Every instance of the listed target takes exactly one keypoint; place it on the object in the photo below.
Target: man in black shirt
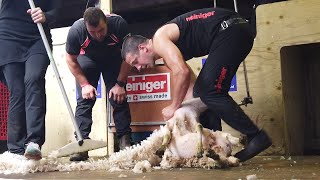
(23, 63)
(93, 47)
(227, 39)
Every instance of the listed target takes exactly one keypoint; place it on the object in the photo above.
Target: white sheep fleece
(138, 158)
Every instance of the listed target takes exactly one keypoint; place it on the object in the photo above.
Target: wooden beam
(106, 6)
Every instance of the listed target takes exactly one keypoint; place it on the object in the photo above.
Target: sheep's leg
(210, 153)
(199, 129)
(163, 147)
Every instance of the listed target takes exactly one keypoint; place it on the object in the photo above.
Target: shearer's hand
(89, 92)
(119, 94)
(37, 15)
(168, 112)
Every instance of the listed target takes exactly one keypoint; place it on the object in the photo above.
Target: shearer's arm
(163, 45)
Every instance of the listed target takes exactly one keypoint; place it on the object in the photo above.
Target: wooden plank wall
(279, 25)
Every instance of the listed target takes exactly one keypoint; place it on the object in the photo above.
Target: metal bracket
(246, 101)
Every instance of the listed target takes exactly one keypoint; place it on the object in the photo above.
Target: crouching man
(227, 39)
(93, 47)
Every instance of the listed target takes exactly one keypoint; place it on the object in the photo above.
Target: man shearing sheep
(227, 39)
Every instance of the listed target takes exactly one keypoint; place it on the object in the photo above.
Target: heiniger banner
(148, 87)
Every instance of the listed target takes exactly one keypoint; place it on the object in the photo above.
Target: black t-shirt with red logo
(79, 41)
(198, 29)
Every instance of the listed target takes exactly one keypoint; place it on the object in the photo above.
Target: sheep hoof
(200, 152)
(212, 154)
(243, 140)
(160, 151)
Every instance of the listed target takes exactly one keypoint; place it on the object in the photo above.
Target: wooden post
(106, 6)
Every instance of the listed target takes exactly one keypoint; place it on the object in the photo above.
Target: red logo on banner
(149, 83)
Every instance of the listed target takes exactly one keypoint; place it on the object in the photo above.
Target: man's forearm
(77, 72)
(180, 88)
(193, 79)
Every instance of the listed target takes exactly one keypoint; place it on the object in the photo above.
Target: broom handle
(55, 69)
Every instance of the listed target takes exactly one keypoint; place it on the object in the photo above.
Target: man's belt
(230, 22)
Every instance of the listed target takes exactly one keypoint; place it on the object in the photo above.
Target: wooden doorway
(300, 66)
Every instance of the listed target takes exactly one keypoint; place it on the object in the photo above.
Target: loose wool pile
(138, 158)
(142, 158)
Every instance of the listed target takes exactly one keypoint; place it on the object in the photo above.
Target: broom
(83, 144)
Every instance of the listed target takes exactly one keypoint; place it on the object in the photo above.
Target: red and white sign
(148, 87)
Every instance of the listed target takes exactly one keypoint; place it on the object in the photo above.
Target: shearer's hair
(93, 15)
(131, 43)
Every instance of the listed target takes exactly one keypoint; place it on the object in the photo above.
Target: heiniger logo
(148, 87)
(200, 16)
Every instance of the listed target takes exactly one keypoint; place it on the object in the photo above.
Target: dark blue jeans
(27, 102)
(83, 115)
(228, 50)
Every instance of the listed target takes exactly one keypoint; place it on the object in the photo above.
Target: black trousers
(228, 50)
(83, 115)
(210, 120)
(27, 102)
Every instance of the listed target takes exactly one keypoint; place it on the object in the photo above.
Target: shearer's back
(198, 29)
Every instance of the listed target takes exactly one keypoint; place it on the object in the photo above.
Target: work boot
(255, 146)
(82, 156)
(124, 141)
(33, 151)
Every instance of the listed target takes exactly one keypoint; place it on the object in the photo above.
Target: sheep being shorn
(182, 142)
(188, 144)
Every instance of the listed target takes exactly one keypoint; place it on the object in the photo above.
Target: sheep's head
(218, 146)
(221, 143)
